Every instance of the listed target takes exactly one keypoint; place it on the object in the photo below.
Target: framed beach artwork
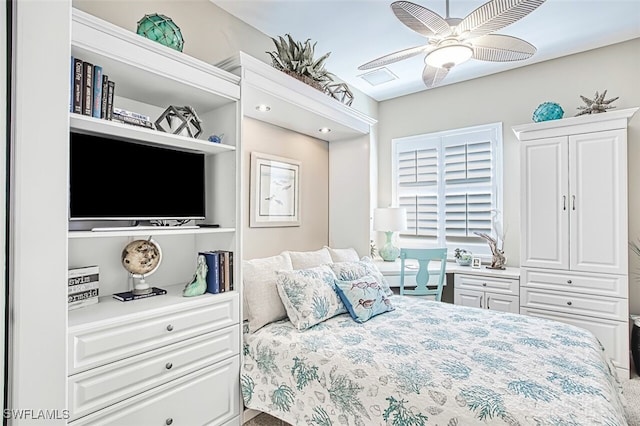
(275, 191)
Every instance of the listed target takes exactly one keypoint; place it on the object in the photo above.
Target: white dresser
(160, 361)
(574, 232)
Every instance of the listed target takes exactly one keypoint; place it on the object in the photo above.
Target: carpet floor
(631, 391)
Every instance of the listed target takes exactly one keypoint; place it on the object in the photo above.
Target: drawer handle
(168, 366)
(569, 303)
(169, 327)
(568, 281)
(484, 284)
(169, 421)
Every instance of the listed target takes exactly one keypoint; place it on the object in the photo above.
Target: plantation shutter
(449, 184)
(468, 188)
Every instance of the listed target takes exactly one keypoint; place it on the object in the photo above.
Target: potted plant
(463, 257)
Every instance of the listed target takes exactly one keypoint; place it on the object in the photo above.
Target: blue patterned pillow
(348, 271)
(364, 297)
(308, 295)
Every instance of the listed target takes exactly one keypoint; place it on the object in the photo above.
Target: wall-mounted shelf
(146, 232)
(96, 126)
(294, 105)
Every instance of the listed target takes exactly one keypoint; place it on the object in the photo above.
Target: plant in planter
(463, 257)
(296, 59)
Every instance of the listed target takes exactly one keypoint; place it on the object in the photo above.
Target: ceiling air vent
(379, 76)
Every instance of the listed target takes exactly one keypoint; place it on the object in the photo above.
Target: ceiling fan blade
(395, 57)
(501, 48)
(420, 19)
(432, 76)
(494, 15)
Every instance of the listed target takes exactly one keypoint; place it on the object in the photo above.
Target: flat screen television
(112, 179)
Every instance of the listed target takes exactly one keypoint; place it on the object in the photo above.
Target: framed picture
(476, 262)
(275, 191)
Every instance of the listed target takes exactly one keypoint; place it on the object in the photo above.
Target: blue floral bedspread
(429, 363)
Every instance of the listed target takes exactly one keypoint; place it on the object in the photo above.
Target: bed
(430, 363)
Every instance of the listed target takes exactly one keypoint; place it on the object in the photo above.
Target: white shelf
(586, 123)
(97, 126)
(160, 231)
(110, 308)
(294, 104)
(135, 63)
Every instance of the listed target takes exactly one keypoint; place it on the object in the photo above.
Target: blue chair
(424, 256)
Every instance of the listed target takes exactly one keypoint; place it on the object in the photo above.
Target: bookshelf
(148, 78)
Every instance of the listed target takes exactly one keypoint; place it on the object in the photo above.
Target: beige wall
(511, 97)
(314, 190)
(210, 33)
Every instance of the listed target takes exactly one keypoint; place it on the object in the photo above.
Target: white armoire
(574, 232)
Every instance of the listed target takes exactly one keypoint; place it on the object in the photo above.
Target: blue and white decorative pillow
(347, 271)
(308, 295)
(363, 297)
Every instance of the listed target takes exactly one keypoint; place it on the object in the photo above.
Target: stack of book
(134, 118)
(83, 286)
(91, 90)
(219, 271)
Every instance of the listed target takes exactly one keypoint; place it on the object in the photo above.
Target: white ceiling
(358, 31)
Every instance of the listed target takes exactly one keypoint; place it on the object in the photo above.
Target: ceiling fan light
(449, 56)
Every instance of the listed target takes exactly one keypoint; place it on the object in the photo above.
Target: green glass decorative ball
(162, 29)
(547, 111)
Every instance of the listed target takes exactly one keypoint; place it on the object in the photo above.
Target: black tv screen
(114, 179)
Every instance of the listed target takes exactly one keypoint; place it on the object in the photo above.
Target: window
(450, 182)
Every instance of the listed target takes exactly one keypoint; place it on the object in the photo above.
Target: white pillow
(343, 255)
(309, 259)
(262, 302)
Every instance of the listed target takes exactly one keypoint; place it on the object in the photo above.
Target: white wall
(314, 190)
(511, 97)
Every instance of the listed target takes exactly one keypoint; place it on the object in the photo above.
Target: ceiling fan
(452, 41)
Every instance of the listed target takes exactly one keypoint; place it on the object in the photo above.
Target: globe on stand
(141, 258)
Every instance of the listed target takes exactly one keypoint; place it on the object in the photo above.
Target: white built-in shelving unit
(162, 359)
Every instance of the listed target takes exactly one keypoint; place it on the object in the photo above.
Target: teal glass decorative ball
(162, 29)
(547, 111)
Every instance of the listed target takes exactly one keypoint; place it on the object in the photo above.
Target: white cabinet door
(598, 212)
(502, 302)
(544, 203)
(471, 298)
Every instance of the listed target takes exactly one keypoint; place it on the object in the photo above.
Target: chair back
(424, 256)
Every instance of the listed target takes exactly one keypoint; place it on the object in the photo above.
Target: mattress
(431, 363)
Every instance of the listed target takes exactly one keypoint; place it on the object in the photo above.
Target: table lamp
(389, 220)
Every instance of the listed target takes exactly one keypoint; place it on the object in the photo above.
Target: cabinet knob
(569, 303)
(169, 327)
(484, 284)
(169, 421)
(168, 366)
(568, 281)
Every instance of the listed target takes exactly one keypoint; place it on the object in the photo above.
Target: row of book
(219, 270)
(91, 90)
(83, 286)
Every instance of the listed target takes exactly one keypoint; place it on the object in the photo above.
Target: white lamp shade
(449, 56)
(390, 219)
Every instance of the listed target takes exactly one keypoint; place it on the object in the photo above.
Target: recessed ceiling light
(263, 108)
(324, 130)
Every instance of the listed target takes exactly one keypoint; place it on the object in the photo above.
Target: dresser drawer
(574, 303)
(495, 285)
(602, 285)
(99, 387)
(210, 396)
(613, 335)
(102, 342)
